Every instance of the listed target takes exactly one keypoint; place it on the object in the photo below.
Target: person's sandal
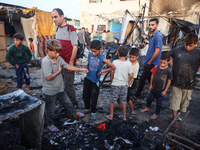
(86, 111)
(109, 117)
(135, 99)
(92, 118)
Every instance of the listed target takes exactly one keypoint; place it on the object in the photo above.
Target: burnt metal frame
(174, 137)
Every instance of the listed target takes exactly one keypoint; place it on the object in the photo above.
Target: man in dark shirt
(185, 61)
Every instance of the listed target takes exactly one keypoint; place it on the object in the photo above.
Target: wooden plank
(2, 56)
(2, 43)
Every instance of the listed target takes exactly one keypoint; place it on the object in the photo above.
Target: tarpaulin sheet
(45, 25)
(185, 25)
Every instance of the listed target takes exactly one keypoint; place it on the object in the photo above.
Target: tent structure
(32, 22)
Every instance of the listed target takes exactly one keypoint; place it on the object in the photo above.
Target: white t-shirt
(121, 73)
(103, 36)
(135, 69)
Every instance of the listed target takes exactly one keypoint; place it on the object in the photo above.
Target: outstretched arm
(112, 67)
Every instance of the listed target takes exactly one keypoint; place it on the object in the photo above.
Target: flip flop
(32, 94)
(92, 118)
(53, 129)
(121, 116)
(86, 112)
(135, 99)
(80, 115)
(131, 116)
(109, 117)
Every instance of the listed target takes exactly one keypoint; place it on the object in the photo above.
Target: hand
(163, 93)
(84, 70)
(100, 73)
(59, 69)
(150, 88)
(85, 43)
(16, 65)
(71, 64)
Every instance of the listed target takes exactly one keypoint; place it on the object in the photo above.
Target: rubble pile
(80, 135)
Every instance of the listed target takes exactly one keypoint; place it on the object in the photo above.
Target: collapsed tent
(32, 22)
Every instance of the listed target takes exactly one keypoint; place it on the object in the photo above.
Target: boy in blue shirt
(91, 82)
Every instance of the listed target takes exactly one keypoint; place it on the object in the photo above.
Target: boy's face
(53, 54)
(164, 63)
(133, 58)
(96, 52)
(190, 47)
(17, 42)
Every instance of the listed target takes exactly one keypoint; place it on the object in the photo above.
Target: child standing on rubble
(119, 86)
(91, 82)
(133, 56)
(53, 84)
(160, 82)
(19, 55)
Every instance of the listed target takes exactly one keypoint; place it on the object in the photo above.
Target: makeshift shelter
(32, 22)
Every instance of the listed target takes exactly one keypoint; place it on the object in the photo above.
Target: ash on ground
(80, 134)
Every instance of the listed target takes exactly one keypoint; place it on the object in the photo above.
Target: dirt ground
(141, 120)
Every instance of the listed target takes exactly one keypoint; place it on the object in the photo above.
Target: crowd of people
(59, 65)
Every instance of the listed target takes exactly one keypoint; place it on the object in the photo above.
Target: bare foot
(144, 110)
(154, 116)
(133, 113)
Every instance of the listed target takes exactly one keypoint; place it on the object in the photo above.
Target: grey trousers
(69, 85)
(51, 102)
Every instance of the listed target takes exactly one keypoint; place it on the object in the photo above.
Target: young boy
(120, 81)
(160, 82)
(53, 84)
(19, 55)
(185, 62)
(133, 56)
(91, 82)
(31, 48)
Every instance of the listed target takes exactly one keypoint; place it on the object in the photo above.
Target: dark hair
(18, 36)
(104, 30)
(191, 38)
(30, 39)
(83, 27)
(165, 56)
(154, 19)
(96, 44)
(123, 51)
(108, 30)
(134, 51)
(54, 45)
(60, 12)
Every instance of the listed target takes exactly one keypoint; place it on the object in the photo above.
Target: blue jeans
(21, 72)
(51, 103)
(159, 99)
(33, 55)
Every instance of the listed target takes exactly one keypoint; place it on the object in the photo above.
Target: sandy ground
(142, 120)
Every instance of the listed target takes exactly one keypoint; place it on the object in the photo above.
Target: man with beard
(67, 36)
(152, 56)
